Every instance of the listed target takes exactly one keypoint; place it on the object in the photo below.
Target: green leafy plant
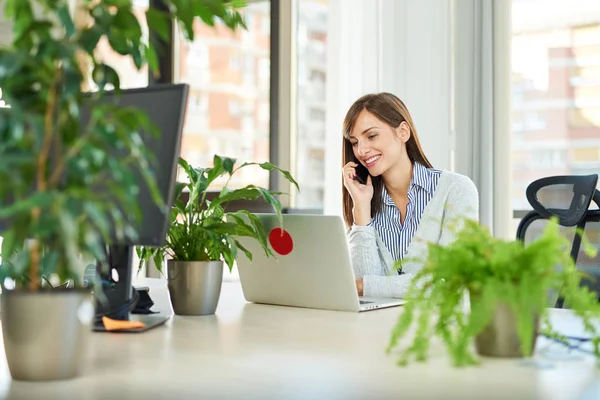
(51, 163)
(492, 272)
(202, 229)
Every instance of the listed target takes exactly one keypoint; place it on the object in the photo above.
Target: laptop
(311, 267)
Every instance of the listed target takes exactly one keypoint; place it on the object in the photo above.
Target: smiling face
(392, 142)
(377, 145)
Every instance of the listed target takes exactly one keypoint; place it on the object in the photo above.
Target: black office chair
(569, 198)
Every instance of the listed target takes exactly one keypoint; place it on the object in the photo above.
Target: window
(311, 102)
(234, 62)
(555, 91)
(546, 159)
(587, 117)
(229, 77)
(234, 108)
(586, 154)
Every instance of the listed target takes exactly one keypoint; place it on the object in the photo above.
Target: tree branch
(41, 180)
(62, 163)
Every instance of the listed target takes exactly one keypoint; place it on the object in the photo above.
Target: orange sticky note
(115, 325)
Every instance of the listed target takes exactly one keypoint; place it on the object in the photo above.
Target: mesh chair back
(576, 202)
(566, 197)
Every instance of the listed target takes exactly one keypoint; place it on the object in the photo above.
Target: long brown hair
(391, 110)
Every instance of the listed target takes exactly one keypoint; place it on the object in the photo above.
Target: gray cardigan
(455, 197)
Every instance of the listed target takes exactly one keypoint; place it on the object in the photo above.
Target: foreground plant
(491, 272)
(56, 170)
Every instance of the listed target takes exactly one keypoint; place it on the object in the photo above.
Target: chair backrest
(567, 197)
(575, 201)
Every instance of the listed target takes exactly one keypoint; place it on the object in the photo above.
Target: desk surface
(269, 352)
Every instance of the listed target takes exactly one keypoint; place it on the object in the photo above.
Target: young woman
(404, 203)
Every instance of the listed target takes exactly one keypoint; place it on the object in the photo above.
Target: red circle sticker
(281, 241)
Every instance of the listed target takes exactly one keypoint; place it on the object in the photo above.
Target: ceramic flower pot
(46, 332)
(500, 337)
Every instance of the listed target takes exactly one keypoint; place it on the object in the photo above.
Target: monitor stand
(119, 299)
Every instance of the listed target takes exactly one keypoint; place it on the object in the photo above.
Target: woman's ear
(403, 131)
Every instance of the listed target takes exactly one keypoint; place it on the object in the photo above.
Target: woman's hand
(359, 286)
(361, 194)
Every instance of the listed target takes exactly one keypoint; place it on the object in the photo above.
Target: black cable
(576, 347)
(123, 309)
(128, 306)
(120, 310)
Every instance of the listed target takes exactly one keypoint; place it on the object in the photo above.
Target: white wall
(416, 66)
(398, 46)
(352, 70)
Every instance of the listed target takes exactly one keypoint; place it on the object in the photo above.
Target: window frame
(282, 92)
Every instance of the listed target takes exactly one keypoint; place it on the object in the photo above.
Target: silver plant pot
(500, 337)
(46, 332)
(194, 286)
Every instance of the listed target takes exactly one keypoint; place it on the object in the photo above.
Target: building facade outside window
(228, 107)
(555, 91)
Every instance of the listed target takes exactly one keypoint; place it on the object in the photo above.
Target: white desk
(267, 352)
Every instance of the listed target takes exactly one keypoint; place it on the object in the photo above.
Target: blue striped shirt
(396, 235)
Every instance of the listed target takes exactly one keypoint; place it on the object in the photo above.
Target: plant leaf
(158, 21)
(270, 167)
(39, 200)
(67, 21)
(9, 243)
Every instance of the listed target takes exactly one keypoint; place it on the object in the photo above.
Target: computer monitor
(165, 105)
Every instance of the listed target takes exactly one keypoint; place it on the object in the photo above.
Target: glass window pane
(555, 91)
(312, 79)
(228, 107)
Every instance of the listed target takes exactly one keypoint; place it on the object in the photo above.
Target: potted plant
(203, 235)
(492, 293)
(51, 217)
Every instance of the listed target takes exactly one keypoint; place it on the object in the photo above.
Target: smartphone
(362, 173)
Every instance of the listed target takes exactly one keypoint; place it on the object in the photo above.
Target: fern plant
(202, 229)
(492, 272)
